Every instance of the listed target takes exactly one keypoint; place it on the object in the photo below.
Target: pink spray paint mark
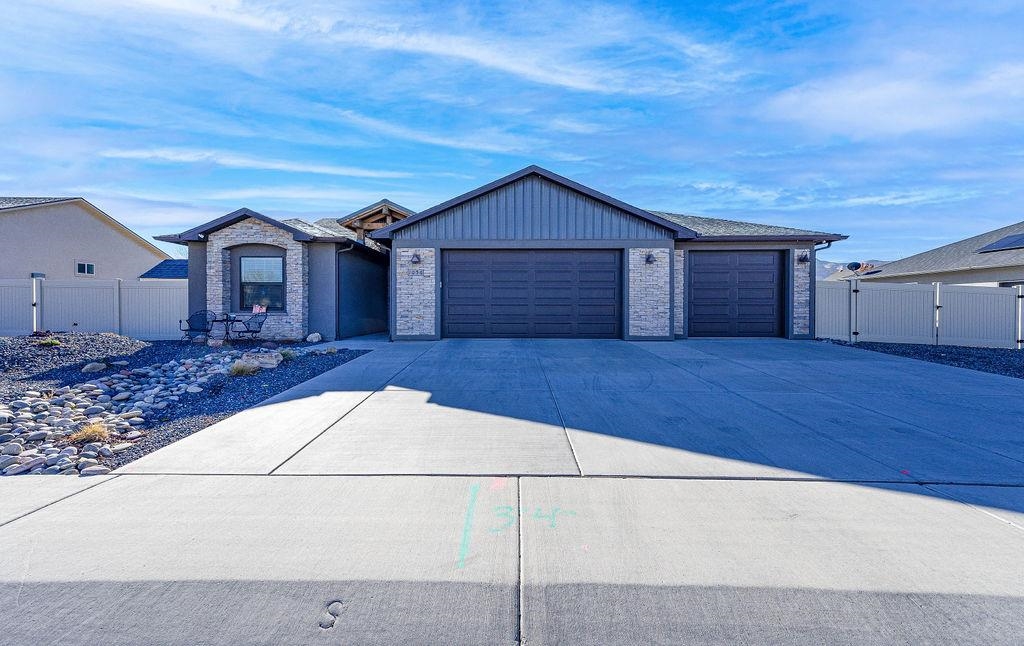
(497, 484)
(905, 472)
(585, 547)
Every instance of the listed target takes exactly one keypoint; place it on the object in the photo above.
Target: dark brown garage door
(532, 293)
(735, 293)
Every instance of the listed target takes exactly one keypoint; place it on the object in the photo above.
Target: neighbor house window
(85, 268)
(262, 282)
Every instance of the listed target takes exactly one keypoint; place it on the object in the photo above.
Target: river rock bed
(123, 407)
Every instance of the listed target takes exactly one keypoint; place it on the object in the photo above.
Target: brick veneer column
(415, 297)
(801, 293)
(649, 294)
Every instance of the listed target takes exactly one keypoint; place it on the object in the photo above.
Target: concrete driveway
(714, 491)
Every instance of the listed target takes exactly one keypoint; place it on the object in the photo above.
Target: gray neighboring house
(69, 238)
(312, 276)
(535, 254)
(995, 258)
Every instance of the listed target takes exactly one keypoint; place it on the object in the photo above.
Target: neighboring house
(537, 255)
(994, 258)
(312, 277)
(173, 269)
(69, 238)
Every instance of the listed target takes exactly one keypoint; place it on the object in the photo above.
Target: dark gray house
(530, 255)
(534, 254)
(320, 276)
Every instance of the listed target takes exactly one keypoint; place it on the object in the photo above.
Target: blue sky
(898, 123)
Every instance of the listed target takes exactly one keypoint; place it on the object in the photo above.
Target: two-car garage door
(569, 293)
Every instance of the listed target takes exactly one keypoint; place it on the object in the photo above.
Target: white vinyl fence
(935, 314)
(141, 309)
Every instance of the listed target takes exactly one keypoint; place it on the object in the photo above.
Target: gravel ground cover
(1001, 361)
(83, 404)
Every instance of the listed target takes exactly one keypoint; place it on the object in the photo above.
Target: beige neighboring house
(995, 258)
(69, 238)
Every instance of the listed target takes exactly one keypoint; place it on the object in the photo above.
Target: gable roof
(355, 215)
(300, 230)
(959, 256)
(718, 229)
(199, 233)
(169, 269)
(19, 202)
(680, 231)
(13, 203)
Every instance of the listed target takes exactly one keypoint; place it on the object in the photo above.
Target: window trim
(86, 264)
(242, 283)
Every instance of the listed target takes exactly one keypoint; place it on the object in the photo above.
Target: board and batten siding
(533, 208)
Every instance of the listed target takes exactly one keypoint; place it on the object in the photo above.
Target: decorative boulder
(262, 359)
(314, 338)
(215, 343)
(95, 366)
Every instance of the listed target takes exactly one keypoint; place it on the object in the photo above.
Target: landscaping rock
(314, 338)
(95, 470)
(94, 367)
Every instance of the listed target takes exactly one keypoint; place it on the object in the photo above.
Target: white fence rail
(141, 309)
(911, 313)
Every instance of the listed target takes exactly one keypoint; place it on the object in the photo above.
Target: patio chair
(250, 327)
(197, 324)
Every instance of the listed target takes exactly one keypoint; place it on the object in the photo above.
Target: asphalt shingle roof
(16, 202)
(717, 227)
(327, 228)
(170, 269)
(959, 256)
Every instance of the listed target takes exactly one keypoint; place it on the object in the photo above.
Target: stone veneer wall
(290, 324)
(415, 297)
(649, 294)
(801, 293)
(679, 287)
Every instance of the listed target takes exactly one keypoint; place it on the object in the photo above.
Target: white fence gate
(140, 309)
(912, 313)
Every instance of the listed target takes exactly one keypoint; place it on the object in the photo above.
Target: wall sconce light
(415, 259)
(650, 259)
(803, 257)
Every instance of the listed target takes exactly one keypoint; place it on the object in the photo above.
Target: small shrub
(243, 369)
(287, 355)
(49, 343)
(95, 432)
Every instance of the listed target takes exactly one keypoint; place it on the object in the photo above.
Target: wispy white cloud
(492, 140)
(233, 160)
(564, 46)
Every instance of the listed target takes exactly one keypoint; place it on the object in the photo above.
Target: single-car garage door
(568, 293)
(735, 293)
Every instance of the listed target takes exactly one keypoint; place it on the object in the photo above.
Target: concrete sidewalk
(431, 492)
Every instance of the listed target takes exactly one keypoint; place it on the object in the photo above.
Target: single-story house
(173, 269)
(530, 255)
(535, 254)
(69, 238)
(995, 258)
(322, 276)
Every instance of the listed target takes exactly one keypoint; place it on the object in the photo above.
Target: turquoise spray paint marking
(467, 527)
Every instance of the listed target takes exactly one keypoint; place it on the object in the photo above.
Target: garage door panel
(735, 293)
(533, 293)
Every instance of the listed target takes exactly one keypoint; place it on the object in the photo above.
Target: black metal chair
(250, 327)
(197, 324)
